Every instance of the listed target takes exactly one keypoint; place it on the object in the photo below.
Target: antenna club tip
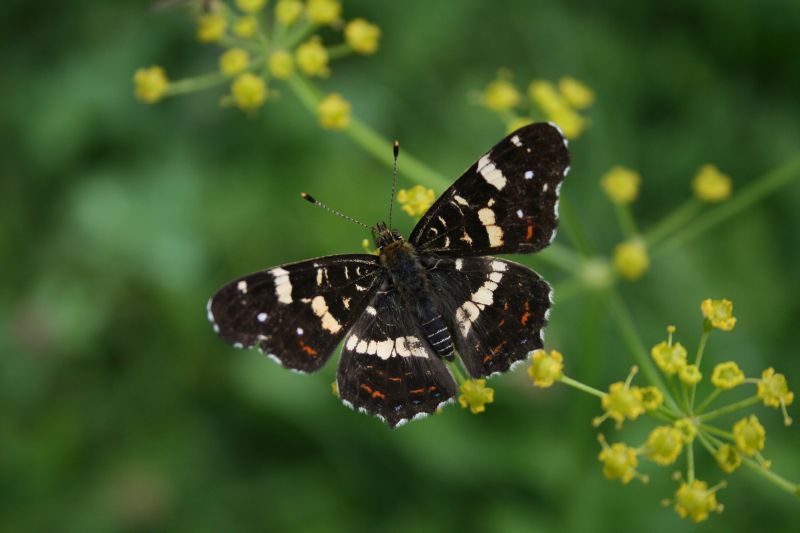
(396, 148)
(307, 197)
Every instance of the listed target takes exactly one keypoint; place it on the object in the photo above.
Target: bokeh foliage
(120, 409)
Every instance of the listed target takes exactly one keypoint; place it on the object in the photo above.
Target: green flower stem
(581, 387)
(671, 413)
(689, 462)
(729, 408)
(339, 51)
(710, 398)
(562, 257)
(697, 360)
(769, 475)
(370, 140)
(717, 431)
(660, 416)
(623, 320)
(672, 222)
(455, 368)
(297, 34)
(625, 219)
(198, 83)
(761, 187)
(573, 230)
(567, 290)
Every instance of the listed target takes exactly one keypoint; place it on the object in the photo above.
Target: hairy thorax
(405, 270)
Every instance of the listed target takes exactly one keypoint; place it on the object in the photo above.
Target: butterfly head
(384, 236)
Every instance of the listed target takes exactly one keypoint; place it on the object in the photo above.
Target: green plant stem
(761, 187)
(697, 360)
(197, 83)
(581, 386)
(710, 398)
(562, 257)
(625, 219)
(708, 442)
(297, 33)
(573, 230)
(672, 222)
(371, 141)
(455, 368)
(623, 320)
(689, 462)
(729, 408)
(716, 431)
(339, 51)
(567, 290)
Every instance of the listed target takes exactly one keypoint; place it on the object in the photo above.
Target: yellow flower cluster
(324, 11)
(475, 395)
(250, 6)
(546, 368)
(312, 58)
(727, 375)
(287, 12)
(150, 84)
(711, 185)
(621, 184)
(362, 36)
(622, 401)
(718, 314)
(416, 200)
(234, 61)
(211, 27)
(631, 260)
(696, 500)
(619, 461)
(501, 95)
(334, 112)
(249, 91)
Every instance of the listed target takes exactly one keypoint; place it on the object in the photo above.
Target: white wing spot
(545, 187)
(346, 302)
(371, 310)
(242, 286)
(459, 264)
(516, 141)
(262, 317)
(320, 308)
(491, 173)
(499, 266)
(486, 216)
(528, 174)
(299, 331)
(520, 214)
(351, 342)
(283, 287)
(319, 277)
(444, 224)
(460, 200)
(566, 171)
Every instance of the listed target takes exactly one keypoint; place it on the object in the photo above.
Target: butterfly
(404, 312)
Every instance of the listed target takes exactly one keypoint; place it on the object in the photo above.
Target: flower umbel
(546, 368)
(416, 200)
(621, 402)
(711, 185)
(728, 458)
(670, 358)
(631, 260)
(288, 11)
(334, 112)
(718, 314)
(150, 84)
(249, 91)
(312, 58)
(501, 94)
(664, 445)
(652, 398)
(323, 11)
(234, 61)
(621, 184)
(575, 93)
(362, 36)
(280, 64)
(211, 27)
(690, 375)
(475, 395)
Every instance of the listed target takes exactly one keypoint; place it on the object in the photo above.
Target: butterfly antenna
(394, 180)
(307, 197)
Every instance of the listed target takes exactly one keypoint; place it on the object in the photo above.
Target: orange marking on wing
(526, 315)
(494, 351)
(366, 388)
(432, 388)
(395, 379)
(308, 349)
(379, 394)
(530, 230)
(417, 391)
(500, 324)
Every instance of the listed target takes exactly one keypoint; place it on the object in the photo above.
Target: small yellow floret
(719, 313)
(500, 95)
(576, 93)
(619, 461)
(245, 27)
(557, 108)
(687, 428)
(749, 435)
(234, 61)
(323, 11)
(727, 375)
(211, 27)
(281, 64)
(288, 11)
(652, 398)
(774, 391)
(150, 84)
(631, 260)
(622, 401)
(335, 389)
(670, 358)
(621, 184)
(334, 112)
(690, 375)
(696, 500)
(711, 185)
(312, 58)
(416, 200)
(362, 36)
(475, 395)
(249, 91)
(664, 445)
(728, 458)
(250, 6)
(546, 368)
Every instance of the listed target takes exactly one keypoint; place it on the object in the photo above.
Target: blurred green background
(120, 410)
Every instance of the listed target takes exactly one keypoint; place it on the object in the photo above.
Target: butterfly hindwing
(506, 202)
(495, 310)
(298, 312)
(388, 368)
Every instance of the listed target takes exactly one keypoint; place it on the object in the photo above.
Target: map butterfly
(418, 302)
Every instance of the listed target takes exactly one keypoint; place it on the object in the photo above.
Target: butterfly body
(401, 313)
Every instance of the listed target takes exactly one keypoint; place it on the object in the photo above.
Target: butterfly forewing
(506, 202)
(298, 312)
(495, 310)
(388, 368)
